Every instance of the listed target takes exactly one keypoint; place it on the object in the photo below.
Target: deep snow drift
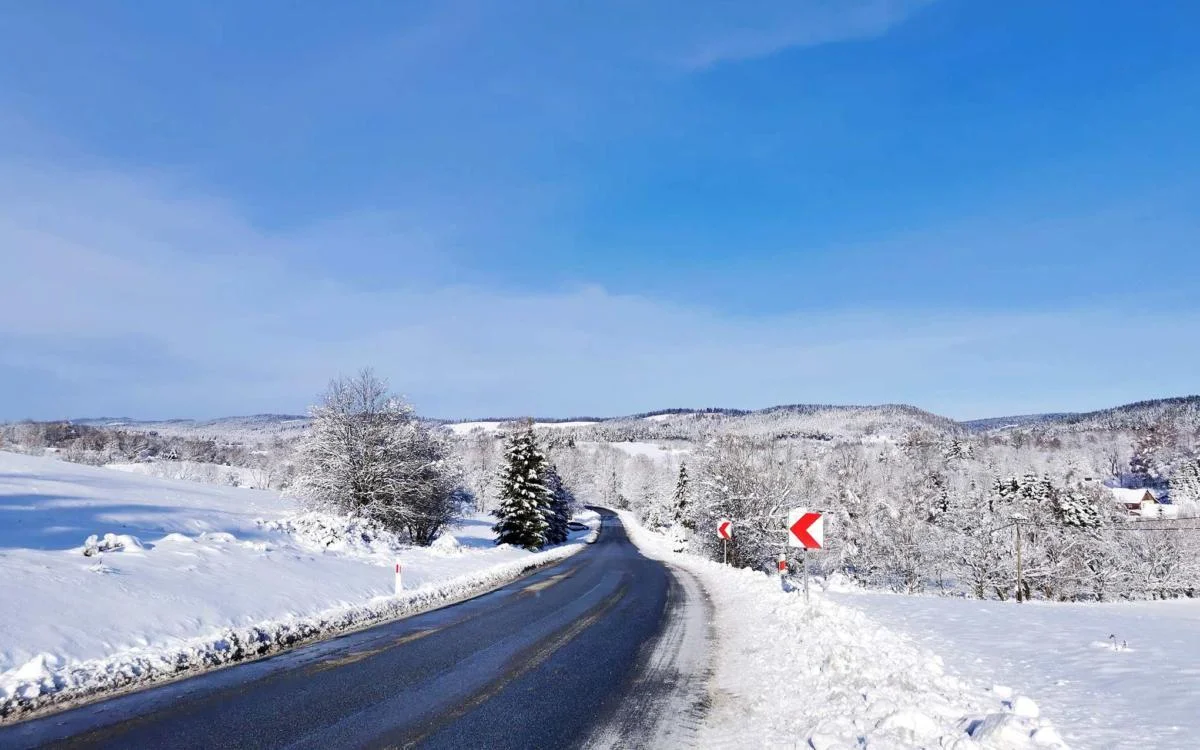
(825, 676)
(1139, 689)
(184, 575)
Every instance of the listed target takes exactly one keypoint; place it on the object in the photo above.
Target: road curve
(607, 649)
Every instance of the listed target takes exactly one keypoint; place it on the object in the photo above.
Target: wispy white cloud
(758, 28)
(125, 296)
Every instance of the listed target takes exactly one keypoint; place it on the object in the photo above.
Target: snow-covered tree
(558, 513)
(367, 455)
(525, 498)
(1185, 484)
(681, 513)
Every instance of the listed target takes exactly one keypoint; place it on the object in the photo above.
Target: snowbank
(826, 676)
(183, 576)
(1138, 688)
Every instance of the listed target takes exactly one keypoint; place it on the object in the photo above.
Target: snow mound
(94, 545)
(332, 533)
(446, 545)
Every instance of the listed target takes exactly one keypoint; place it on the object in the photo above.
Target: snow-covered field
(825, 675)
(205, 574)
(464, 428)
(635, 449)
(196, 471)
(1099, 693)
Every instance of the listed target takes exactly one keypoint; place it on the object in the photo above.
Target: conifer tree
(1185, 482)
(682, 515)
(558, 514)
(524, 496)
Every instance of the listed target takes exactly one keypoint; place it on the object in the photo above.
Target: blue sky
(211, 208)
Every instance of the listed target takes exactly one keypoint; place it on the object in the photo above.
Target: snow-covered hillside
(191, 569)
(246, 429)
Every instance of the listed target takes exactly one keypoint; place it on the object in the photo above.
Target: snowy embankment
(1140, 688)
(196, 576)
(824, 675)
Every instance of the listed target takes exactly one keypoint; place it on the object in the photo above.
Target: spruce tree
(524, 496)
(1185, 482)
(682, 515)
(558, 514)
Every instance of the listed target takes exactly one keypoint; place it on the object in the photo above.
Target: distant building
(1143, 502)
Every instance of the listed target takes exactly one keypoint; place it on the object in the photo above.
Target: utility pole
(1017, 526)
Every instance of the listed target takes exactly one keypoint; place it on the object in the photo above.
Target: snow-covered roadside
(1140, 688)
(204, 576)
(827, 676)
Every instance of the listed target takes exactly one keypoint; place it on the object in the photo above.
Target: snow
(187, 575)
(634, 449)
(198, 471)
(1138, 689)
(1128, 496)
(463, 428)
(825, 675)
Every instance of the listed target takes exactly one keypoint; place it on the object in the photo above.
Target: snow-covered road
(205, 573)
(592, 647)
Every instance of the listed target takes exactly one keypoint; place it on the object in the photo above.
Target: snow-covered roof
(1133, 496)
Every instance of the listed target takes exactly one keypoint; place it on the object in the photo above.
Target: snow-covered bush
(367, 455)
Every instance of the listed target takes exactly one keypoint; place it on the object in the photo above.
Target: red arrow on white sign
(805, 529)
(725, 528)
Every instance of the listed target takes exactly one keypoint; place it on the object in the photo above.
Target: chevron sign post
(725, 531)
(805, 529)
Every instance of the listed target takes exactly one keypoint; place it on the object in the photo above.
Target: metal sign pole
(806, 575)
(725, 548)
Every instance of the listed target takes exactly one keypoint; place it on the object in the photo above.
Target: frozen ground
(203, 575)
(826, 676)
(634, 449)
(1144, 695)
(464, 428)
(195, 471)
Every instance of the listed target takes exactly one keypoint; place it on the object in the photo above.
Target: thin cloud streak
(147, 302)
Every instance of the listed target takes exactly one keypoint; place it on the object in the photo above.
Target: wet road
(606, 649)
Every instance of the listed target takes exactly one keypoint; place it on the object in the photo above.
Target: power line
(1156, 528)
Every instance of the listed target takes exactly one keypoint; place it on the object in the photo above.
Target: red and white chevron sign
(725, 528)
(805, 529)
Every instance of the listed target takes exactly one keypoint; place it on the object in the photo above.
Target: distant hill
(812, 421)
(257, 426)
(1002, 423)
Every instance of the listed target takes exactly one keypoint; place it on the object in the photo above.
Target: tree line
(367, 455)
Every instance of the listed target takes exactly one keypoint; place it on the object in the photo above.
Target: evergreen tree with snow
(1185, 484)
(558, 513)
(1076, 509)
(682, 515)
(524, 497)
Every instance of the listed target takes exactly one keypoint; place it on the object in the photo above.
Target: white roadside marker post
(399, 583)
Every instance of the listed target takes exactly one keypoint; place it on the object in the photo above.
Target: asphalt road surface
(607, 649)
